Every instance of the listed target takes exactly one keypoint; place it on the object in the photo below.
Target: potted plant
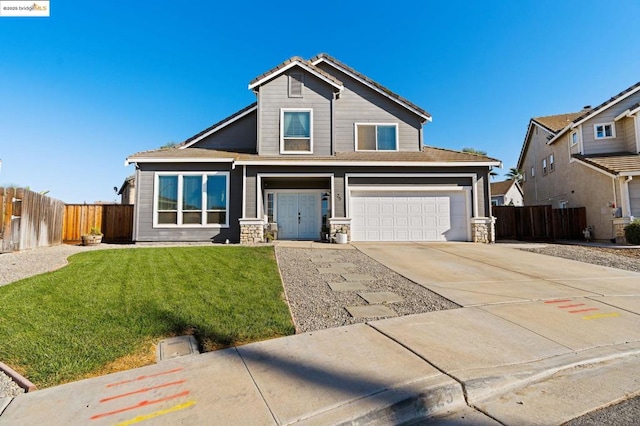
(341, 235)
(93, 238)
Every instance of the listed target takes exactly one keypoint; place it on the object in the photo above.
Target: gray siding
(144, 207)
(603, 146)
(630, 134)
(274, 95)
(634, 197)
(360, 104)
(237, 136)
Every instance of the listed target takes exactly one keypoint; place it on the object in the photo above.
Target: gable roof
(501, 188)
(323, 57)
(555, 123)
(290, 63)
(219, 125)
(429, 156)
(621, 164)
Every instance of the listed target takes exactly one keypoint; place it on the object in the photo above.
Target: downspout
(258, 113)
(136, 210)
(333, 123)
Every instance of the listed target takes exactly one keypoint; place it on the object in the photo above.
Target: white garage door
(634, 196)
(409, 216)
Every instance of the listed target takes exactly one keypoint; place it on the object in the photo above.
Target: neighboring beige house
(590, 159)
(127, 191)
(506, 193)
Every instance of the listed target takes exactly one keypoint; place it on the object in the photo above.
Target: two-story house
(324, 148)
(589, 158)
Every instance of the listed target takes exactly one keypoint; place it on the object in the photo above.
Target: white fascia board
(632, 174)
(627, 113)
(222, 125)
(371, 86)
(178, 160)
(597, 169)
(368, 163)
(593, 114)
(291, 65)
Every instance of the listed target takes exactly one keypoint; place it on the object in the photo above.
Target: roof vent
(586, 107)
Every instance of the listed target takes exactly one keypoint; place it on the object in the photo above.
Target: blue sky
(98, 81)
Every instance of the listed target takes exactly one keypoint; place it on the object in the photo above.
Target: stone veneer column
(339, 224)
(619, 224)
(251, 231)
(483, 230)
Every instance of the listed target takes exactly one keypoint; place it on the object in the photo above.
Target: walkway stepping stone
(342, 265)
(332, 271)
(348, 286)
(358, 277)
(176, 347)
(377, 297)
(371, 311)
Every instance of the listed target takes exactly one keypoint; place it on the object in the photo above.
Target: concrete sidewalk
(540, 340)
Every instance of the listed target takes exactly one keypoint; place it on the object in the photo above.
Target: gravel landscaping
(315, 306)
(618, 257)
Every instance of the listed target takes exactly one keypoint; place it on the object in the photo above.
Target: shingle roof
(295, 59)
(607, 102)
(555, 123)
(616, 163)
(427, 155)
(391, 94)
(501, 188)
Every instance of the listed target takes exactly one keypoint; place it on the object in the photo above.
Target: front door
(298, 215)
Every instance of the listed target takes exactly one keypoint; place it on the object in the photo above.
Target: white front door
(298, 215)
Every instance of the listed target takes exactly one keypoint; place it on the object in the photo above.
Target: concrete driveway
(478, 274)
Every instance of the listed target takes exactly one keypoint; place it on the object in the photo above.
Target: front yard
(107, 309)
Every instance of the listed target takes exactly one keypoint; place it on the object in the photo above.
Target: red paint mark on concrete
(147, 389)
(144, 377)
(557, 301)
(571, 306)
(583, 310)
(139, 405)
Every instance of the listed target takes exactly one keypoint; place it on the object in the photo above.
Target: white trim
(371, 86)
(282, 112)
(347, 188)
(291, 65)
(594, 113)
(178, 160)
(259, 196)
(577, 135)
(591, 166)
(179, 211)
(244, 191)
(355, 132)
(308, 162)
(612, 124)
(636, 121)
(220, 126)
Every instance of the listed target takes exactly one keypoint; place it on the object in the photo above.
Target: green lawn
(110, 306)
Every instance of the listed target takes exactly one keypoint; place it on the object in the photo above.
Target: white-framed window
(533, 171)
(270, 207)
(376, 136)
(574, 138)
(563, 204)
(544, 166)
(552, 164)
(604, 130)
(191, 199)
(524, 176)
(296, 83)
(296, 131)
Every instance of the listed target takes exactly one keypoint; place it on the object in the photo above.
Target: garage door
(634, 196)
(409, 216)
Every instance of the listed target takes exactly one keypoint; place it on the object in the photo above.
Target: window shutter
(295, 85)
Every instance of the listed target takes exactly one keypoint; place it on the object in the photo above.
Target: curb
(21, 381)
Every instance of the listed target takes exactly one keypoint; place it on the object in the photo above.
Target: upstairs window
(376, 137)
(574, 138)
(604, 130)
(296, 130)
(544, 166)
(191, 199)
(552, 164)
(296, 82)
(533, 171)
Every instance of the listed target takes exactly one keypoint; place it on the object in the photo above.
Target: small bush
(632, 232)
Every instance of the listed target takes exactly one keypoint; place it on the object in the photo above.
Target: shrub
(632, 232)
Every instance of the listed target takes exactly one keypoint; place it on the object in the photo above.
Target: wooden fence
(539, 223)
(114, 220)
(29, 220)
